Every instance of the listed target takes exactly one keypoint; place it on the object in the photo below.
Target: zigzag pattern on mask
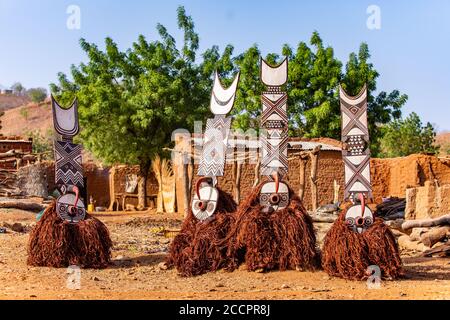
(68, 164)
(212, 162)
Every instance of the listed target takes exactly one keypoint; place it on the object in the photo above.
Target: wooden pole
(257, 172)
(314, 156)
(237, 194)
(337, 187)
(186, 184)
(303, 162)
(112, 193)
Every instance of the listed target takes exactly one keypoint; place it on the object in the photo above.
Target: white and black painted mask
(359, 217)
(205, 201)
(69, 206)
(274, 196)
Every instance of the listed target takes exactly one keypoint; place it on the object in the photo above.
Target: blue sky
(411, 50)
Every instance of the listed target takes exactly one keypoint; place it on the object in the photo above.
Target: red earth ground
(137, 272)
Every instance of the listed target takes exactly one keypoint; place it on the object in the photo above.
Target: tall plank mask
(356, 156)
(215, 144)
(274, 194)
(68, 163)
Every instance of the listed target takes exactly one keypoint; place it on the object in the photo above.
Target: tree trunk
(426, 223)
(434, 236)
(142, 185)
(314, 155)
(26, 206)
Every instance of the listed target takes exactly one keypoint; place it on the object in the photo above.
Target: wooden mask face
(270, 198)
(357, 219)
(203, 207)
(69, 206)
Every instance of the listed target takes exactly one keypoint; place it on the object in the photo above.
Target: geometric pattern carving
(355, 134)
(215, 139)
(274, 120)
(215, 143)
(68, 164)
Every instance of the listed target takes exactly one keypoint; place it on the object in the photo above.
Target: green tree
(130, 102)
(18, 88)
(37, 94)
(382, 108)
(314, 76)
(404, 137)
(42, 143)
(313, 87)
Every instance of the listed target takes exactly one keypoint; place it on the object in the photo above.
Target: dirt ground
(137, 272)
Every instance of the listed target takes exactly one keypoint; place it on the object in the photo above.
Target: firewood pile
(8, 185)
(15, 159)
(430, 237)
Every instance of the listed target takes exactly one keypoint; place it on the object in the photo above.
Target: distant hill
(33, 118)
(27, 118)
(12, 101)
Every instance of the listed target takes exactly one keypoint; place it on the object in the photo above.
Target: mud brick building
(330, 168)
(16, 144)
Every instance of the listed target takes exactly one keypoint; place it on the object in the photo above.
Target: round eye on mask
(368, 221)
(205, 206)
(350, 222)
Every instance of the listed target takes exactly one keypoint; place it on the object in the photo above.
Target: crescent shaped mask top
(65, 121)
(274, 76)
(222, 99)
(358, 99)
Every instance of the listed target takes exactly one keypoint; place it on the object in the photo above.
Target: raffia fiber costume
(359, 240)
(272, 230)
(66, 235)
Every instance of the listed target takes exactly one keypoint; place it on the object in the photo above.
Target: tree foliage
(18, 88)
(131, 101)
(37, 95)
(42, 143)
(313, 87)
(404, 137)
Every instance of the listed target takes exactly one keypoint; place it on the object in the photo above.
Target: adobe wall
(391, 177)
(97, 181)
(429, 201)
(330, 167)
(120, 174)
